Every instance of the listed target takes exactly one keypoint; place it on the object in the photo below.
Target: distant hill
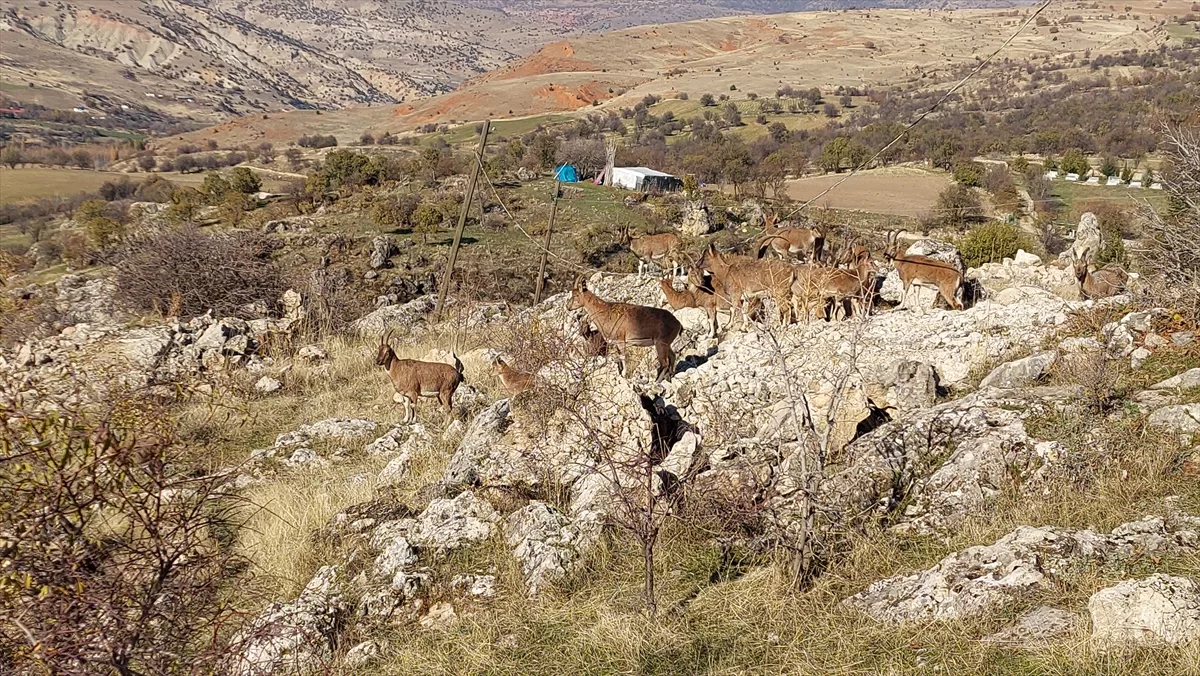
(214, 59)
(730, 56)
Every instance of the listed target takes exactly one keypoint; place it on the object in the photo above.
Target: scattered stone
(1021, 372)
(696, 220)
(1023, 257)
(396, 556)
(382, 249)
(452, 523)
(1179, 419)
(293, 637)
(1183, 338)
(981, 579)
(1187, 380)
(478, 586)
(1160, 609)
(364, 654)
(440, 616)
(1040, 625)
(268, 385)
(395, 472)
(545, 541)
(313, 353)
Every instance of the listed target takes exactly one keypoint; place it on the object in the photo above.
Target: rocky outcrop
(982, 579)
(546, 542)
(294, 637)
(1040, 625)
(452, 523)
(1088, 238)
(696, 220)
(1021, 372)
(1182, 419)
(1157, 610)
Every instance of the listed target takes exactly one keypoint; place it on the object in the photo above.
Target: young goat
(514, 380)
(924, 271)
(803, 243)
(623, 324)
(697, 298)
(1102, 283)
(834, 288)
(663, 250)
(414, 379)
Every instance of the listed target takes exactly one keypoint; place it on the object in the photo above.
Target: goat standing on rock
(924, 271)
(624, 324)
(415, 379)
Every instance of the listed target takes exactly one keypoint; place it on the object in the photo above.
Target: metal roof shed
(644, 179)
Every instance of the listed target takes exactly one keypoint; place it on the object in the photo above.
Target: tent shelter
(643, 179)
(566, 173)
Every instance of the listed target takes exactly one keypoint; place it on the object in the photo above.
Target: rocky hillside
(931, 429)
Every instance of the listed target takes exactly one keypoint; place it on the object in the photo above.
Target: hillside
(735, 56)
(213, 59)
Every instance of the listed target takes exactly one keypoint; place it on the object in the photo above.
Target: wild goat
(803, 243)
(623, 324)
(514, 380)
(662, 250)
(414, 379)
(1108, 281)
(594, 344)
(834, 288)
(695, 297)
(924, 271)
(741, 276)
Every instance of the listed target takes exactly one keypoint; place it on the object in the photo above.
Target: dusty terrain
(898, 191)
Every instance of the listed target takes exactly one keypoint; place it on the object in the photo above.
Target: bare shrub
(112, 554)
(1173, 237)
(186, 272)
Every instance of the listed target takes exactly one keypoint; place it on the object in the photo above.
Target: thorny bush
(111, 554)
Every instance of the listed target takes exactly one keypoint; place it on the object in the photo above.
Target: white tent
(641, 178)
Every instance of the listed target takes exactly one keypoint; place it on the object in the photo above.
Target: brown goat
(415, 379)
(663, 250)
(804, 243)
(694, 297)
(924, 271)
(833, 288)
(624, 324)
(741, 276)
(1108, 281)
(514, 380)
(594, 344)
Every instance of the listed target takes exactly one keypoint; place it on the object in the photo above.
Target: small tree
(235, 206)
(11, 155)
(732, 116)
(707, 100)
(1074, 162)
(845, 100)
(969, 174)
(958, 205)
(244, 180)
(990, 243)
(214, 187)
(427, 220)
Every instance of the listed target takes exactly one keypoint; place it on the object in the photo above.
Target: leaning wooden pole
(541, 278)
(462, 222)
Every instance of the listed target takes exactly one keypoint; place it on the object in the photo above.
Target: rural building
(643, 179)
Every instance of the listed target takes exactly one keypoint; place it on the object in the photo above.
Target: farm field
(896, 191)
(32, 183)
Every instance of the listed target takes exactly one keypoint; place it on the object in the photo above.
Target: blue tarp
(566, 173)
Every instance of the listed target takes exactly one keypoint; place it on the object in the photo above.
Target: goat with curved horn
(413, 379)
(924, 271)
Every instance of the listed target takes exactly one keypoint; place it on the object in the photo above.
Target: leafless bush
(1174, 236)
(334, 300)
(185, 272)
(113, 554)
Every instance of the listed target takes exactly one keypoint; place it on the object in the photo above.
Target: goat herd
(724, 282)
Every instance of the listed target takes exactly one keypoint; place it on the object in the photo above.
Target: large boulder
(1021, 372)
(1178, 419)
(453, 523)
(982, 579)
(1160, 609)
(546, 542)
(1088, 238)
(696, 220)
(382, 249)
(294, 637)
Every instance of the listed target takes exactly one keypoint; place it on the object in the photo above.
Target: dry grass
(902, 191)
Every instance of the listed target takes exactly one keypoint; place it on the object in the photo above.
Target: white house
(1113, 180)
(1072, 177)
(641, 178)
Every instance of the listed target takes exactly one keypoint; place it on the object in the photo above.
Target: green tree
(969, 174)
(427, 220)
(235, 206)
(731, 114)
(185, 205)
(11, 155)
(1074, 162)
(958, 205)
(990, 242)
(545, 150)
(1020, 164)
(1109, 167)
(103, 232)
(707, 100)
(1126, 174)
(245, 181)
(90, 210)
(214, 187)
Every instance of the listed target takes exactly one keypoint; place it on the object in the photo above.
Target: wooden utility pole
(462, 222)
(537, 295)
